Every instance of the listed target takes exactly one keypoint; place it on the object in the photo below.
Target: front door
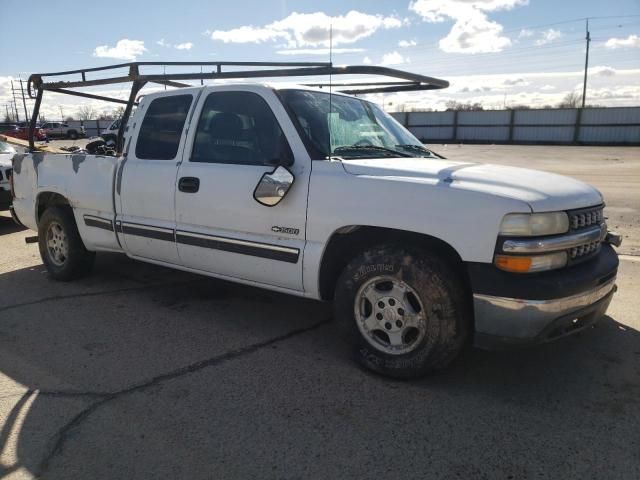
(147, 183)
(221, 229)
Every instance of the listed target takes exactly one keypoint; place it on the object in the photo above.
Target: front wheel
(61, 247)
(406, 311)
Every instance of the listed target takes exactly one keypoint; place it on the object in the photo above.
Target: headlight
(531, 264)
(533, 224)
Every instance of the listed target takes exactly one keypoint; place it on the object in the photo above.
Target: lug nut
(398, 323)
(379, 316)
(400, 311)
(381, 304)
(387, 326)
(392, 302)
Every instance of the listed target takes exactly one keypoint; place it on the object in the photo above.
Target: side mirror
(273, 187)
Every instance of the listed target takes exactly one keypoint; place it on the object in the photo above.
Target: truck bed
(87, 181)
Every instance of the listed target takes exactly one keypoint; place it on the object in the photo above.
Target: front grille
(585, 217)
(584, 250)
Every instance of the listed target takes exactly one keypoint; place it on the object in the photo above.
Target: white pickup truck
(330, 198)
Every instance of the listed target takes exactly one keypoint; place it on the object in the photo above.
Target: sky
(500, 53)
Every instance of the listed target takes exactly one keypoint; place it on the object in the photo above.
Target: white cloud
(125, 49)
(472, 31)
(311, 29)
(548, 36)
(475, 35)
(407, 43)
(248, 34)
(535, 89)
(179, 46)
(602, 71)
(632, 41)
(393, 58)
(525, 33)
(318, 51)
(367, 61)
(515, 81)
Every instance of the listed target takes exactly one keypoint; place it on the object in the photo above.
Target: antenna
(330, 82)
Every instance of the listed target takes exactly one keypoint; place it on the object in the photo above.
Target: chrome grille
(584, 250)
(586, 217)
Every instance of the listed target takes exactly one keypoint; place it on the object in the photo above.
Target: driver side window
(239, 128)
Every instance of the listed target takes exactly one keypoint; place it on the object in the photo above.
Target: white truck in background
(330, 198)
(63, 130)
(6, 154)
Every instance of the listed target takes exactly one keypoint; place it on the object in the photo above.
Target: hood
(5, 159)
(543, 191)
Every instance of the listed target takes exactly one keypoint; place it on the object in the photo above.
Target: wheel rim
(57, 244)
(390, 315)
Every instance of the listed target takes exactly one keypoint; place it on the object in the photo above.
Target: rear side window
(162, 126)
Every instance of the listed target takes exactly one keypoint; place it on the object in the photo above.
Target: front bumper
(515, 310)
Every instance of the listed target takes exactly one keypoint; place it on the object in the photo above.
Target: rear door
(146, 182)
(237, 135)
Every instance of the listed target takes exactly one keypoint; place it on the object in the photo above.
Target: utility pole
(586, 65)
(15, 107)
(6, 107)
(24, 102)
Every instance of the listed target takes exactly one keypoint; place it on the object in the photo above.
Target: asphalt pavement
(143, 372)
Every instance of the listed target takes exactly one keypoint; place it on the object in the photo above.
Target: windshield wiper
(375, 148)
(418, 148)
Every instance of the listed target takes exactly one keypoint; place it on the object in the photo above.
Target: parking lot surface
(143, 372)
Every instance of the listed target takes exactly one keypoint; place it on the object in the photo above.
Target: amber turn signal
(532, 263)
(513, 264)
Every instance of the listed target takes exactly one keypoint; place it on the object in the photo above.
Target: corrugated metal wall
(92, 127)
(597, 126)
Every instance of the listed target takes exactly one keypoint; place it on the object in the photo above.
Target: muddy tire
(72, 134)
(61, 247)
(405, 311)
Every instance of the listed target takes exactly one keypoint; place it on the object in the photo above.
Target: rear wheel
(61, 247)
(72, 134)
(406, 311)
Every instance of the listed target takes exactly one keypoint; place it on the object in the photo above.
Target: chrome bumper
(514, 320)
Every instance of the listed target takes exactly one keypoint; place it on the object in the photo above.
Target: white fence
(589, 126)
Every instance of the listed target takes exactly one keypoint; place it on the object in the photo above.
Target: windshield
(348, 127)
(6, 148)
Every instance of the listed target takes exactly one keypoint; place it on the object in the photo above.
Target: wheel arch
(48, 199)
(348, 241)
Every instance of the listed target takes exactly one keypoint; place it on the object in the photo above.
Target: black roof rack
(39, 82)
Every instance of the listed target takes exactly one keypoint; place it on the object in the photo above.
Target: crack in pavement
(92, 294)
(58, 441)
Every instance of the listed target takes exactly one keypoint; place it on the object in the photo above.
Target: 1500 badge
(290, 231)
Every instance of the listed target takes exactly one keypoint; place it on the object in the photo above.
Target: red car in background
(22, 132)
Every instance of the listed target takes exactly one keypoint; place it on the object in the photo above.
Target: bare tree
(464, 107)
(111, 114)
(571, 100)
(86, 112)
